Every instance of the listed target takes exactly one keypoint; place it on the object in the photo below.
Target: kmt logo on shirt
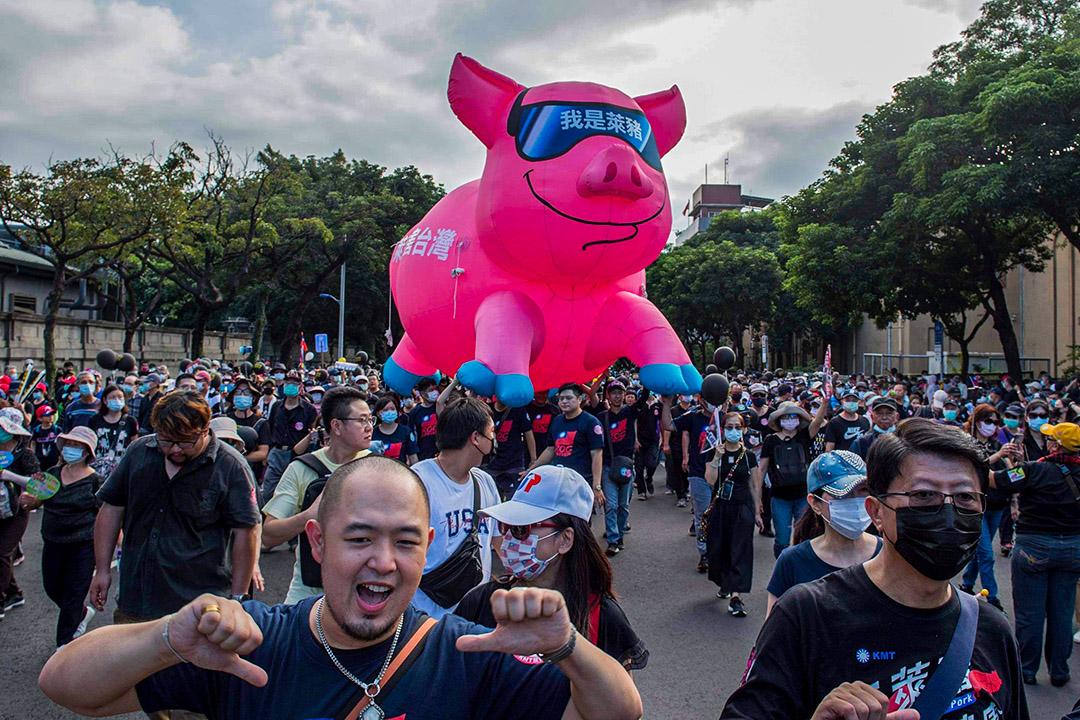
(503, 432)
(541, 423)
(393, 450)
(618, 431)
(564, 443)
(428, 425)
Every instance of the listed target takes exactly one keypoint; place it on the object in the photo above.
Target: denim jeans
(983, 562)
(784, 514)
(1045, 569)
(701, 494)
(616, 506)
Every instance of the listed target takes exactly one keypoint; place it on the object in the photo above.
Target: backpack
(310, 569)
(789, 465)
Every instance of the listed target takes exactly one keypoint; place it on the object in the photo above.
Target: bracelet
(714, 464)
(562, 653)
(165, 637)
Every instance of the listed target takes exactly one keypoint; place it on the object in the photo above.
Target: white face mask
(789, 424)
(987, 429)
(848, 517)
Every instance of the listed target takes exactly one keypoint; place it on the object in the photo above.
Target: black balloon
(362, 357)
(724, 357)
(246, 368)
(260, 368)
(769, 376)
(106, 359)
(714, 388)
(710, 369)
(126, 363)
(249, 436)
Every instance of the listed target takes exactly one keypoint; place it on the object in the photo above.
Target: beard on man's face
(364, 630)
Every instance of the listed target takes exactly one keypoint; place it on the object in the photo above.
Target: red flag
(687, 208)
(828, 367)
(303, 350)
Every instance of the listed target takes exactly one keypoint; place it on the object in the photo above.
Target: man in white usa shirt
(459, 557)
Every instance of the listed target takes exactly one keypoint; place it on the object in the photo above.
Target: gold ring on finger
(211, 608)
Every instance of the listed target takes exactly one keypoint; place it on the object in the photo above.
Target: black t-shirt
(697, 425)
(399, 444)
(769, 449)
(648, 424)
(288, 426)
(424, 421)
(1047, 506)
(540, 417)
(843, 432)
(739, 464)
(613, 633)
(510, 427)
(842, 628)
(621, 429)
(574, 440)
(45, 444)
(304, 684)
(799, 564)
(675, 436)
(112, 441)
(69, 515)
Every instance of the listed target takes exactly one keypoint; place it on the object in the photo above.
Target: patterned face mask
(519, 556)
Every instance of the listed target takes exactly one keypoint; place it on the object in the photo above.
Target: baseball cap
(1067, 434)
(43, 411)
(758, 388)
(940, 396)
(883, 401)
(545, 492)
(836, 472)
(153, 378)
(850, 392)
(615, 385)
(80, 434)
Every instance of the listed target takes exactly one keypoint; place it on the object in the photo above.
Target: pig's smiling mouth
(633, 225)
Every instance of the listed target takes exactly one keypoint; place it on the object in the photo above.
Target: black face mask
(940, 544)
(489, 456)
(268, 391)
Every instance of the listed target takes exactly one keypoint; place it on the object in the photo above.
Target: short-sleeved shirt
(112, 441)
(540, 417)
(260, 425)
(69, 515)
(287, 501)
(574, 440)
(799, 564)
(177, 530)
(867, 636)
(452, 517)
(648, 424)
(1047, 506)
(510, 428)
(78, 414)
(768, 452)
(45, 444)
(424, 421)
(288, 426)
(696, 425)
(305, 685)
(399, 444)
(843, 432)
(675, 437)
(146, 413)
(621, 428)
(613, 633)
(737, 467)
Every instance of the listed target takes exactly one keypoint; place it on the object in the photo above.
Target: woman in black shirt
(728, 525)
(115, 429)
(67, 532)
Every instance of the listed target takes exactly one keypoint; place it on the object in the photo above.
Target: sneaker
(1059, 681)
(13, 601)
(621, 543)
(1030, 680)
(703, 565)
(1076, 637)
(612, 550)
(649, 487)
(996, 603)
(669, 492)
(19, 556)
(723, 595)
(87, 617)
(681, 503)
(968, 589)
(627, 528)
(642, 496)
(736, 608)
(693, 529)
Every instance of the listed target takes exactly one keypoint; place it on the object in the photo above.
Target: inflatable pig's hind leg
(405, 367)
(509, 332)
(630, 326)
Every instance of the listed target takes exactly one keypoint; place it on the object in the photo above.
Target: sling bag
(463, 570)
(940, 689)
(412, 650)
(622, 467)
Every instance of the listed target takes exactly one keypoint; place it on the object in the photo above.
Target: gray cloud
(966, 10)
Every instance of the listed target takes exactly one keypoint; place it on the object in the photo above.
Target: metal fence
(990, 363)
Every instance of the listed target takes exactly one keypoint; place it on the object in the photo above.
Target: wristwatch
(598, 488)
(238, 598)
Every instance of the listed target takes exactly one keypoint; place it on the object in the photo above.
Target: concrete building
(710, 199)
(26, 281)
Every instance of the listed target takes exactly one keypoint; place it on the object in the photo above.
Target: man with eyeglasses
(886, 624)
(348, 423)
(576, 441)
(185, 501)
(291, 420)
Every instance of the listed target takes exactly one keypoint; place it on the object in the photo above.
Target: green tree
(83, 215)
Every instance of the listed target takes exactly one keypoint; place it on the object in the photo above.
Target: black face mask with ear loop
(938, 545)
(489, 456)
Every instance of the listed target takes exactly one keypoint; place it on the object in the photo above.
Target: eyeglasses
(930, 501)
(1040, 416)
(521, 532)
(363, 418)
(165, 443)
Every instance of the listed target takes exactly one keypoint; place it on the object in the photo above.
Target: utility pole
(341, 316)
(726, 159)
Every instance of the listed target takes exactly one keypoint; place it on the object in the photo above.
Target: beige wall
(1044, 307)
(22, 337)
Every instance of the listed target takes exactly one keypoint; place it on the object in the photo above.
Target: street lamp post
(341, 313)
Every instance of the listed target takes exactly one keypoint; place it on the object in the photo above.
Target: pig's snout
(615, 171)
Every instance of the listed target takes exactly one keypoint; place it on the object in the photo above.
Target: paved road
(697, 651)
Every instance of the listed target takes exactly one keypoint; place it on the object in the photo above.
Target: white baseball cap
(544, 493)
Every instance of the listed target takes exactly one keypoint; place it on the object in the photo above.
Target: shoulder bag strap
(398, 667)
(475, 504)
(940, 690)
(1072, 483)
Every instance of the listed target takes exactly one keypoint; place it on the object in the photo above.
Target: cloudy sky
(776, 84)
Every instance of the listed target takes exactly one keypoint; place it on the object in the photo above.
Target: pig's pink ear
(667, 115)
(478, 96)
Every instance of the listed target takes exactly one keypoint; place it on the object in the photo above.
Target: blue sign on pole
(321, 343)
(939, 346)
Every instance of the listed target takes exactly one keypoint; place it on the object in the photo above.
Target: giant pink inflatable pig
(534, 275)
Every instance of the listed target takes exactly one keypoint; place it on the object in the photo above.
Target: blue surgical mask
(432, 395)
(848, 517)
(686, 398)
(72, 454)
(200, 386)
(5, 436)
(242, 402)
(877, 429)
(316, 398)
(145, 387)
(38, 397)
(389, 416)
(362, 386)
(86, 390)
(1012, 423)
(851, 407)
(279, 376)
(949, 415)
(128, 389)
(1036, 424)
(732, 435)
(115, 404)
(291, 390)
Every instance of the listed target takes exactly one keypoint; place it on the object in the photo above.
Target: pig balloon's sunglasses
(546, 130)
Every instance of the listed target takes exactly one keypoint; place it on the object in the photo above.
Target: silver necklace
(372, 711)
